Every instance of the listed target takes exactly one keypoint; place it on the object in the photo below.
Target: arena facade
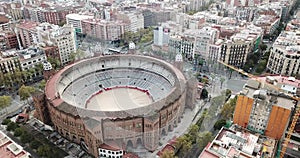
(125, 100)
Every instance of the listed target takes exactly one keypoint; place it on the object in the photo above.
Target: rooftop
(10, 149)
(289, 41)
(79, 16)
(267, 92)
(241, 143)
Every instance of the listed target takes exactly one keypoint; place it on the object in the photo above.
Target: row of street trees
(24, 92)
(141, 36)
(13, 80)
(42, 147)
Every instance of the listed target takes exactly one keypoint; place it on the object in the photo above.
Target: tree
(35, 144)
(228, 108)
(25, 92)
(44, 150)
(167, 154)
(227, 92)
(42, 85)
(26, 137)
(18, 132)
(263, 47)
(6, 122)
(5, 101)
(204, 138)
(193, 131)
(222, 79)
(204, 94)
(219, 124)
(12, 126)
(183, 143)
(54, 62)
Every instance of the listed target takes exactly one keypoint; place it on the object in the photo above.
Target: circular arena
(123, 101)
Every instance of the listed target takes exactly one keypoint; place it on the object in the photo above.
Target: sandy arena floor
(119, 99)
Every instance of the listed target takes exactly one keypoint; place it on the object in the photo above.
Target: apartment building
(76, 21)
(284, 56)
(8, 40)
(62, 37)
(31, 57)
(133, 19)
(53, 13)
(9, 62)
(103, 29)
(239, 142)
(180, 44)
(267, 22)
(234, 52)
(260, 108)
(27, 33)
(161, 36)
(4, 22)
(13, 9)
(202, 39)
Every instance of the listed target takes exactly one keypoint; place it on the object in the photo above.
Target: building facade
(103, 29)
(62, 37)
(284, 56)
(27, 33)
(263, 111)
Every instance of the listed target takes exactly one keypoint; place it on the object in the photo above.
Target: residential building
(260, 108)
(110, 150)
(284, 56)
(214, 50)
(197, 5)
(134, 20)
(103, 29)
(31, 57)
(202, 39)
(284, 83)
(62, 37)
(267, 22)
(8, 40)
(4, 22)
(9, 62)
(9, 148)
(53, 13)
(239, 142)
(234, 52)
(180, 44)
(161, 36)
(76, 21)
(13, 9)
(27, 33)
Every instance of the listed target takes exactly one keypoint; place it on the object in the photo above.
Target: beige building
(284, 57)
(27, 33)
(62, 37)
(103, 29)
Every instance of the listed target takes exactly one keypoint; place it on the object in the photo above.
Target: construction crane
(295, 116)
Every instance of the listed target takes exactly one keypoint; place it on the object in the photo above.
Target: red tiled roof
(130, 155)
(167, 147)
(109, 147)
(208, 154)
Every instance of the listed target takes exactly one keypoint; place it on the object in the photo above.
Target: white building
(202, 39)
(134, 20)
(75, 20)
(62, 37)
(108, 151)
(31, 57)
(161, 36)
(284, 58)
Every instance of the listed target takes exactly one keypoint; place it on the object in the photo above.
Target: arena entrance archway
(129, 144)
